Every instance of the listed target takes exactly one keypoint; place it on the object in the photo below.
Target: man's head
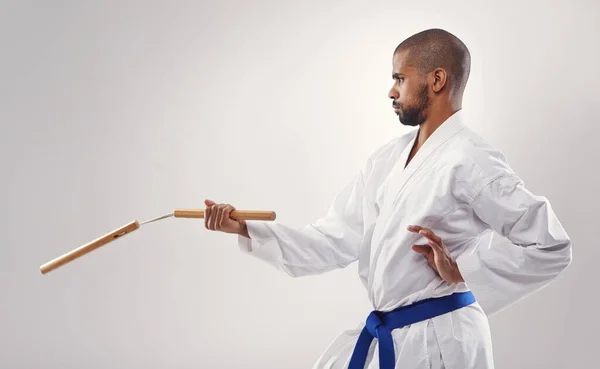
(430, 71)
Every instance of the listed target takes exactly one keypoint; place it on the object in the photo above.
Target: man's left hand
(437, 255)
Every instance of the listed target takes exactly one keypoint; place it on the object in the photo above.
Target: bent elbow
(553, 259)
(568, 251)
(563, 256)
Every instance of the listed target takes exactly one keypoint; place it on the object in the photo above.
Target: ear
(440, 78)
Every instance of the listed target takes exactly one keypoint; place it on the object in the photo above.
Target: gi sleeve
(330, 242)
(538, 251)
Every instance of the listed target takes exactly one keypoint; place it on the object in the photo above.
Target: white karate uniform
(463, 190)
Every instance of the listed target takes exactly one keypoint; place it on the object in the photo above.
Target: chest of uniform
(424, 197)
(427, 191)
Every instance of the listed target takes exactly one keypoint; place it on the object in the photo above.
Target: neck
(436, 118)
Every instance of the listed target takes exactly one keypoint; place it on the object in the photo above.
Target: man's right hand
(217, 218)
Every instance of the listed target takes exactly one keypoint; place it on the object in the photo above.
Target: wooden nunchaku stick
(134, 225)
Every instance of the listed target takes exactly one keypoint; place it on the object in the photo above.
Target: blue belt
(380, 325)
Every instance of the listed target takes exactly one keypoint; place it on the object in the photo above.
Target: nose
(392, 94)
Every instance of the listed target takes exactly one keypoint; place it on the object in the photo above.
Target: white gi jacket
(463, 190)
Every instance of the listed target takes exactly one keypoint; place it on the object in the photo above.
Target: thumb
(422, 249)
(208, 202)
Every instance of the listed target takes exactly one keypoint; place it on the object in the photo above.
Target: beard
(414, 114)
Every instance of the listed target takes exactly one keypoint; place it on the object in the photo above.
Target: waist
(419, 311)
(390, 293)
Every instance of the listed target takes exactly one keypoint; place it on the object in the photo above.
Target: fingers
(426, 232)
(224, 215)
(432, 239)
(436, 246)
(207, 214)
(216, 215)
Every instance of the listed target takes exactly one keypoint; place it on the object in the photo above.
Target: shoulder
(477, 163)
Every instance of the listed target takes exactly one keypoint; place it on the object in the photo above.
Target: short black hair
(437, 48)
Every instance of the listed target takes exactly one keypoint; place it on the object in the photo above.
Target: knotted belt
(380, 325)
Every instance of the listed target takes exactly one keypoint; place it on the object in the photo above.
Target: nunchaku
(135, 225)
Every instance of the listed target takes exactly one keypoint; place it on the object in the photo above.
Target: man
(413, 217)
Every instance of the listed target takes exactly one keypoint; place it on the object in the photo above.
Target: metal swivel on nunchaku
(135, 225)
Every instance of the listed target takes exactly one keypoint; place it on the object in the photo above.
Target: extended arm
(331, 242)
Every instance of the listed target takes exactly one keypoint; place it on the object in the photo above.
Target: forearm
(508, 273)
(310, 250)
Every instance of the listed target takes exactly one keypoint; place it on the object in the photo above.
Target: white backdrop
(121, 110)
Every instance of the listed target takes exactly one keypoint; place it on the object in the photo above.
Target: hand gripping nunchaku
(135, 225)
